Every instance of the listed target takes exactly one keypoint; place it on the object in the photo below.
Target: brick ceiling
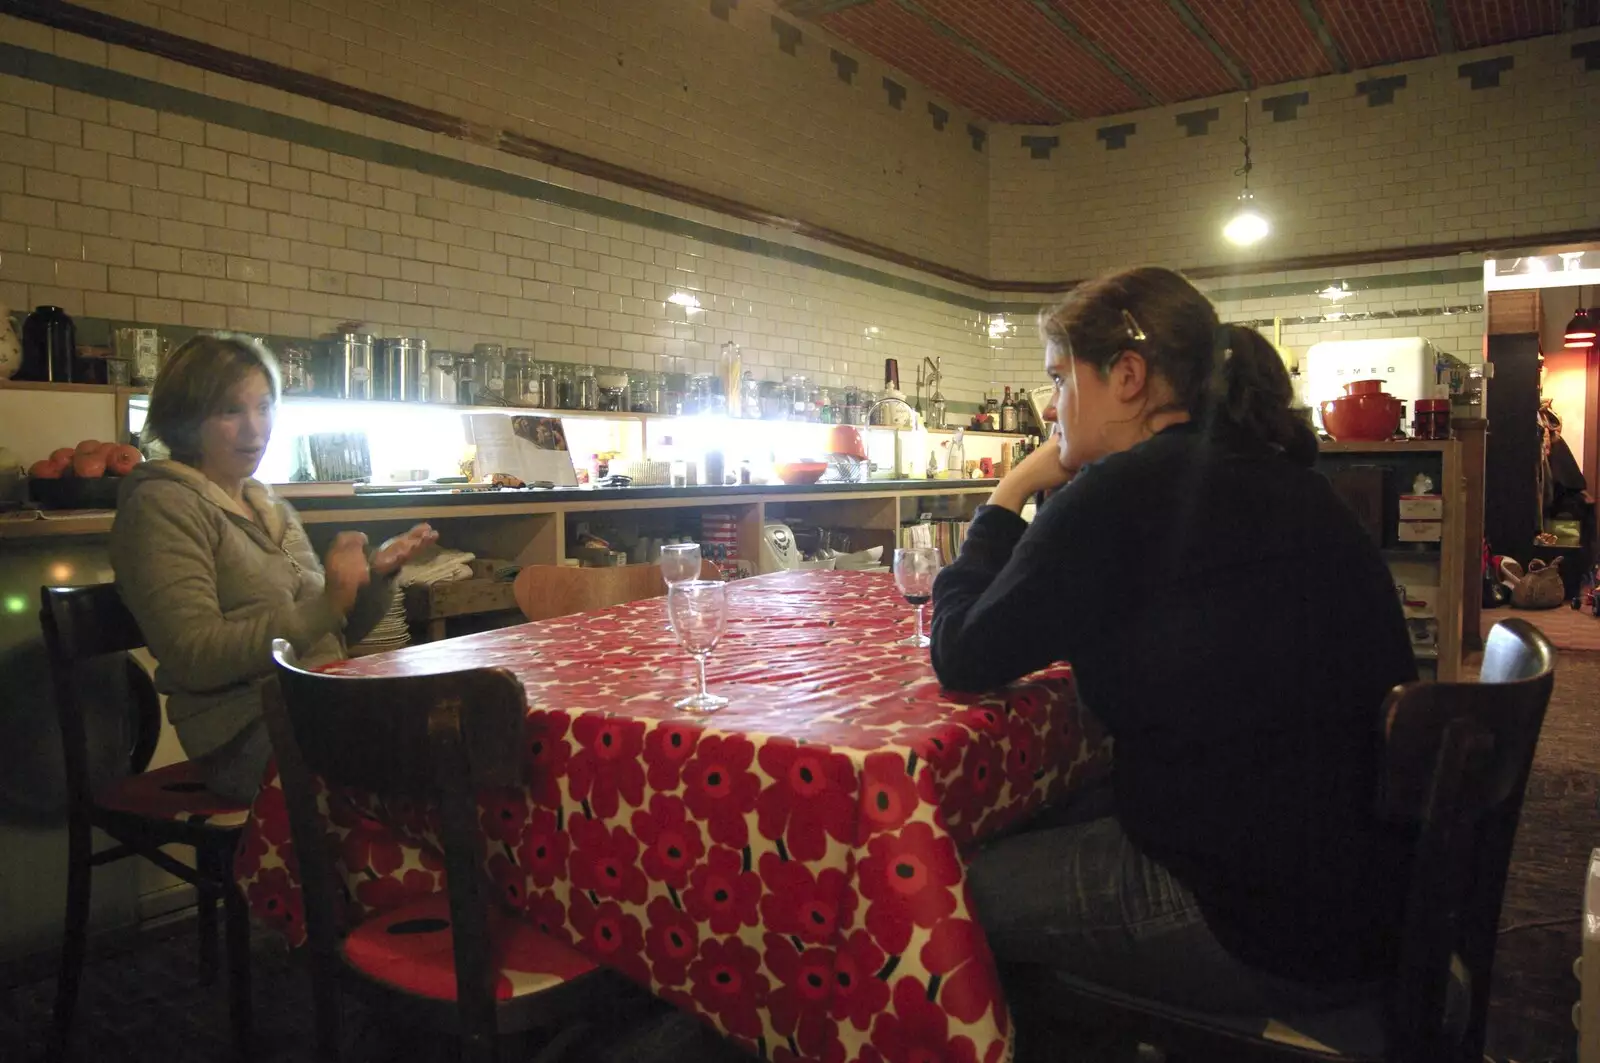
(1047, 61)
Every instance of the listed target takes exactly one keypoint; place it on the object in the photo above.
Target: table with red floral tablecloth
(789, 868)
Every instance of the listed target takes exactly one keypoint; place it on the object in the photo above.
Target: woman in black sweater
(1236, 632)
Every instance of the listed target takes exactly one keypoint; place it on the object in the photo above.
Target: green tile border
(114, 85)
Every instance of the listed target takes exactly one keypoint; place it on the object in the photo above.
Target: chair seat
(177, 793)
(411, 949)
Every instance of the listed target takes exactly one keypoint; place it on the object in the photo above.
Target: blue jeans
(235, 769)
(1080, 898)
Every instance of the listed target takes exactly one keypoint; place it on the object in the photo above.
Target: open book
(533, 449)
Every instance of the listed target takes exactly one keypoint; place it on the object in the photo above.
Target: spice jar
(1432, 419)
(567, 388)
(467, 383)
(588, 389)
(519, 370)
(544, 386)
(295, 362)
(441, 377)
(491, 371)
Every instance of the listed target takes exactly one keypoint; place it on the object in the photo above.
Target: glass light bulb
(1247, 226)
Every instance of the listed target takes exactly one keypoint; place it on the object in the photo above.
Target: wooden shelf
(1388, 446)
(83, 389)
(90, 522)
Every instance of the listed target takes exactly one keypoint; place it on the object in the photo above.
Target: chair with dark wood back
(454, 962)
(1456, 763)
(141, 810)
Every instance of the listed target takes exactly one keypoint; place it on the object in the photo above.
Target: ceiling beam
(1444, 30)
(1319, 30)
(1070, 28)
(1236, 70)
(973, 49)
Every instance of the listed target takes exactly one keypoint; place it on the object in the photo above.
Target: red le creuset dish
(1366, 413)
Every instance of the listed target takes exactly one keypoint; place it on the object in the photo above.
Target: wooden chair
(143, 810)
(546, 591)
(451, 961)
(1456, 763)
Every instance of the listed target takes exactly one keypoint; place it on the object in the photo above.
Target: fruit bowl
(797, 473)
(75, 492)
(1365, 417)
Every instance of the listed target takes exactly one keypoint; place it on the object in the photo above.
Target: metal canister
(347, 361)
(398, 371)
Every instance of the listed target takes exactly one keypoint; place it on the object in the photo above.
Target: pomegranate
(64, 455)
(47, 469)
(87, 446)
(123, 459)
(89, 466)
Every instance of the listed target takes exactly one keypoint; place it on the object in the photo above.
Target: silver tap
(916, 418)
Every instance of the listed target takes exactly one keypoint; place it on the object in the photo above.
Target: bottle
(715, 472)
(1008, 413)
(957, 462)
(48, 346)
(732, 376)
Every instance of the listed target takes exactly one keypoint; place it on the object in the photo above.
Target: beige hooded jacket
(211, 590)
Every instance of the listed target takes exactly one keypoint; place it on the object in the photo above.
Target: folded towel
(443, 567)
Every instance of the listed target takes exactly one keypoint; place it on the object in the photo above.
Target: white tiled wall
(1441, 163)
(118, 211)
(662, 86)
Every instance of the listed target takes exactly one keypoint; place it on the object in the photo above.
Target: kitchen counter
(443, 502)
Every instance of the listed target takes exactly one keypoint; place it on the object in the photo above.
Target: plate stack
(390, 634)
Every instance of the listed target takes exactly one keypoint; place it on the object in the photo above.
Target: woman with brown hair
(213, 566)
(1236, 632)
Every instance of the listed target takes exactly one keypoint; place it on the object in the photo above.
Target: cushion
(177, 792)
(411, 948)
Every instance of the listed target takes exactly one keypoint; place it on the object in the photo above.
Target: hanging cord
(1244, 171)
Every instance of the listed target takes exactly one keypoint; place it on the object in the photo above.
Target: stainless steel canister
(399, 369)
(347, 366)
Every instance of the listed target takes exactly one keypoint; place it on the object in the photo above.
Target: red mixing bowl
(1364, 417)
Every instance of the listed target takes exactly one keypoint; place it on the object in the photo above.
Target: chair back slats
(1457, 761)
(80, 624)
(437, 738)
(372, 733)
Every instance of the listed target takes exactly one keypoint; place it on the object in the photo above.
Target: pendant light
(1581, 329)
(1248, 225)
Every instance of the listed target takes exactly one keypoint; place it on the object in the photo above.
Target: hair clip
(1135, 333)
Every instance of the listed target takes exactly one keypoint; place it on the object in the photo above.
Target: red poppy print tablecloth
(789, 868)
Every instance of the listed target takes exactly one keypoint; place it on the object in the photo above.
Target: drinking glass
(698, 610)
(914, 570)
(679, 562)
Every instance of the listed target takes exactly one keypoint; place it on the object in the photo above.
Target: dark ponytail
(1251, 395)
(1229, 379)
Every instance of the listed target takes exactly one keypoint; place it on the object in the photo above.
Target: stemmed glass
(679, 562)
(914, 570)
(698, 610)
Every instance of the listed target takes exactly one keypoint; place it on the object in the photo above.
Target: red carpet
(1567, 628)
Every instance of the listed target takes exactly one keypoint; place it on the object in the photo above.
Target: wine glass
(914, 569)
(698, 610)
(679, 562)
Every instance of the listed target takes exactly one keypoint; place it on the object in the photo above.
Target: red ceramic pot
(1364, 387)
(1365, 417)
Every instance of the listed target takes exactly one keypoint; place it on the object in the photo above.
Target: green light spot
(16, 603)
